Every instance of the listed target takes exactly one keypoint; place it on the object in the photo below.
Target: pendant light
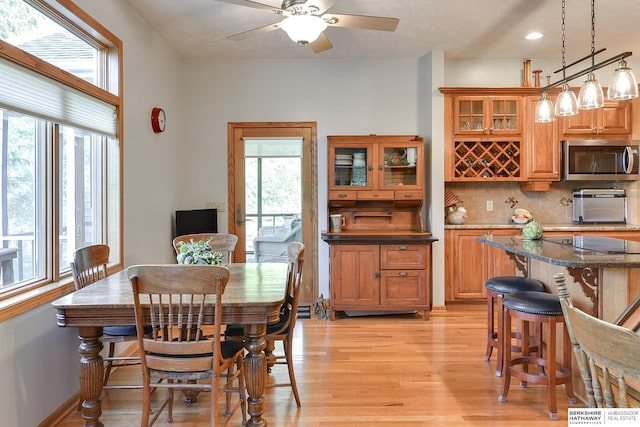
(591, 95)
(623, 83)
(545, 111)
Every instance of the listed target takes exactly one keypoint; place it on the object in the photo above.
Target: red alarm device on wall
(158, 120)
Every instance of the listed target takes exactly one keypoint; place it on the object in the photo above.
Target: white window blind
(28, 92)
(273, 147)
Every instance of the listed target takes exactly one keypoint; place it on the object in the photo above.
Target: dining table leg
(255, 373)
(91, 374)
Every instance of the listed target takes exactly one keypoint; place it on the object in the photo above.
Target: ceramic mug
(336, 223)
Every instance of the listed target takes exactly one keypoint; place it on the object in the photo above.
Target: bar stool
(497, 288)
(544, 309)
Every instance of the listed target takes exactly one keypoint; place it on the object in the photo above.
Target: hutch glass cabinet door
(350, 166)
(401, 166)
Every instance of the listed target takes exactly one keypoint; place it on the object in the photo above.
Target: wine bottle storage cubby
(487, 160)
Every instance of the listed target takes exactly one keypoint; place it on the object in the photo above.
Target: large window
(60, 154)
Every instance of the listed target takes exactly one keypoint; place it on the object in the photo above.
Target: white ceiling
(460, 28)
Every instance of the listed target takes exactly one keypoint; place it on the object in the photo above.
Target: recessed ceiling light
(534, 36)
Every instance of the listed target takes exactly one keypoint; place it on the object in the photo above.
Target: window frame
(21, 299)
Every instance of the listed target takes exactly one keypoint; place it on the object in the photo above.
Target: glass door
(273, 197)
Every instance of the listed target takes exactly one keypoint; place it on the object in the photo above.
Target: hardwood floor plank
(394, 370)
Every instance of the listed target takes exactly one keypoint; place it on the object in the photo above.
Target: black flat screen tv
(196, 221)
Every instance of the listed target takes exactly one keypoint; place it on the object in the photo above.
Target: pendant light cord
(564, 62)
(593, 32)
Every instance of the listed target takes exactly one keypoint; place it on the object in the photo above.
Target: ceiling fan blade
(321, 44)
(361, 21)
(256, 31)
(322, 5)
(254, 4)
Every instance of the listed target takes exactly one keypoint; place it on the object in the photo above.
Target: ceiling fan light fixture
(623, 83)
(545, 111)
(303, 29)
(566, 103)
(591, 95)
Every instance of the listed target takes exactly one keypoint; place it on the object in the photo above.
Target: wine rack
(482, 160)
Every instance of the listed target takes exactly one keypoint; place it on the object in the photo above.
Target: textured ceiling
(460, 28)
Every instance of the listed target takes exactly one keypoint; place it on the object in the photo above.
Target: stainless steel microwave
(600, 160)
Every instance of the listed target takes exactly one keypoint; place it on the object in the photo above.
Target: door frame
(307, 131)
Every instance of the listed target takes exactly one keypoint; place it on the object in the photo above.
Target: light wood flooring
(391, 370)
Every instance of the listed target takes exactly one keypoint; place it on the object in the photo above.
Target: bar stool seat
(544, 309)
(497, 288)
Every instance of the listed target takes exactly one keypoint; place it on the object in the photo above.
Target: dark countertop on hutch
(377, 236)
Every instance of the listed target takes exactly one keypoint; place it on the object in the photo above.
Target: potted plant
(199, 252)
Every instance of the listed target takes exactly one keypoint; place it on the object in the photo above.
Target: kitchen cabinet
(483, 135)
(611, 121)
(370, 167)
(469, 264)
(487, 114)
(542, 152)
(380, 277)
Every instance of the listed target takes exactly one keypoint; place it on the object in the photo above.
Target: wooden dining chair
(282, 330)
(219, 242)
(605, 353)
(177, 350)
(88, 266)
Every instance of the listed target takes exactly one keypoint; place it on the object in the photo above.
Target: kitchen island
(602, 273)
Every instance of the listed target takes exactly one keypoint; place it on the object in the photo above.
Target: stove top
(599, 245)
(583, 245)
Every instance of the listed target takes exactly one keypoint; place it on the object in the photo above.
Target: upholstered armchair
(272, 241)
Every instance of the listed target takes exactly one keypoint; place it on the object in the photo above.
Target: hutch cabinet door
(351, 166)
(355, 275)
(400, 167)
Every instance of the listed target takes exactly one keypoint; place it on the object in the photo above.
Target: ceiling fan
(306, 20)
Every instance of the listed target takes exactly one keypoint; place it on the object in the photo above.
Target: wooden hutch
(381, 260)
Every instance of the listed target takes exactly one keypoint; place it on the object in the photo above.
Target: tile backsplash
(548, 207)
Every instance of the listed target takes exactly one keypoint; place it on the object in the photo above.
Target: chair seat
(510, 284)
(230, 348)
(539, 303)
(119, 330)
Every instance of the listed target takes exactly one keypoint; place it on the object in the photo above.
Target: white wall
(342, 96)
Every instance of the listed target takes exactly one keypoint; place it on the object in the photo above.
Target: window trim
(25, 298)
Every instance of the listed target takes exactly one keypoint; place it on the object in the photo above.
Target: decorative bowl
(520, 220)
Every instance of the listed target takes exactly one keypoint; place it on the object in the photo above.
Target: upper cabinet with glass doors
(374, 167)
(487, 115)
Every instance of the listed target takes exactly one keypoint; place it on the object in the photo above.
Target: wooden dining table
(253, 297)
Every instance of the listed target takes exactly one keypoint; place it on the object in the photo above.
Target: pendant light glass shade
(303, 29)
(567, 103)
(591, 95)
(623, 83)
(544, 110)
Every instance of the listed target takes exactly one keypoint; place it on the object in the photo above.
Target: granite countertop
(571, 251)
(551, 227)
